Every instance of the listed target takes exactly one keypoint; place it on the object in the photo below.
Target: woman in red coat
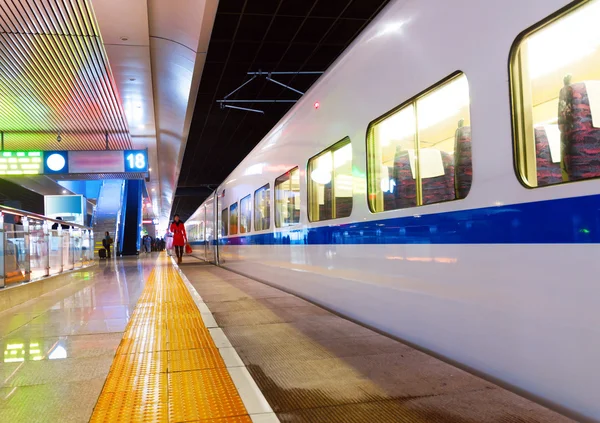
(179, 237)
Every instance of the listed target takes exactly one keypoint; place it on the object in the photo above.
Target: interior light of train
(321, 176)
(434, 108)
(317, 104)
(398, 126)
(342, 156)
(543, 45)
(443, 103)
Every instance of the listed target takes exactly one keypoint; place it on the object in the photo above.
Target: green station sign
(21, 163)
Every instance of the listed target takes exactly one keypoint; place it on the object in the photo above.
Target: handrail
(23, 213)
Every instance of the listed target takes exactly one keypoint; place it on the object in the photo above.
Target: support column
(133, 218)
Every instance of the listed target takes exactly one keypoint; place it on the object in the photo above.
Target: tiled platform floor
(57, 349)
(167, 367)
(313, 366)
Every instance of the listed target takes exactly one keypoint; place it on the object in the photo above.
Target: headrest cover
(432, 164)
(553, 135)
(593, 92)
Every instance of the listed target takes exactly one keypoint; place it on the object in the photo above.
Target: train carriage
(444, 191)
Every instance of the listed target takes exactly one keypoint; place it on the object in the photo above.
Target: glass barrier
(55, 245)
(33, 246)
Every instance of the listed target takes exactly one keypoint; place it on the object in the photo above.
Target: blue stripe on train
(563, 221)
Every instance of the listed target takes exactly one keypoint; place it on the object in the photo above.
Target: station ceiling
(252, 36)
(55, 79)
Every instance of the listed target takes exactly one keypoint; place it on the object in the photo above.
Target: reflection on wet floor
(58, 349)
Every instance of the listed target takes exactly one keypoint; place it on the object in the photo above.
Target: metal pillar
(61, 250)
(71, 251)
(46, 251)
(27, 244)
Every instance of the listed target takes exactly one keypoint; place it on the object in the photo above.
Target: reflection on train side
(17, 351)
(445, 260)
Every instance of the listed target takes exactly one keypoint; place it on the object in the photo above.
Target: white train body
(525, 314)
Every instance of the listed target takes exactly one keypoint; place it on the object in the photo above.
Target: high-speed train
(439, 184)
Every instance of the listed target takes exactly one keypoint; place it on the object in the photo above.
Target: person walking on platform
(179, 237)
(147, 243)
(106, 243)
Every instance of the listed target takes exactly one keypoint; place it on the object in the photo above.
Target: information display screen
(21, 163)
(106, 161)
(100, 161)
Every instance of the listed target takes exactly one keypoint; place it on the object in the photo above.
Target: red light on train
(317, 104)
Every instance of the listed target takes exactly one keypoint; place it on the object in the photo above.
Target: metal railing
(35, 246)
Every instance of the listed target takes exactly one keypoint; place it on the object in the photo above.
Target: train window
(555, 77)
(330, 183)
(233, 219)
(245, 214)
(224, 221)
(262, 208)
(420, 153)
(287, 199)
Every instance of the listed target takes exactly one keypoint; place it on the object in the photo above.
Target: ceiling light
(153, 190)
(124, 38)
(64, 191)
(149, 169)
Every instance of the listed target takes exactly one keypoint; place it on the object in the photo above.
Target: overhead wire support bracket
(246, 109)
(239, 88)
(256, 101)
(283, 85)
(224, 103)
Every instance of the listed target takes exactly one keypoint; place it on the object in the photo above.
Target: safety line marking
(167, 367)
(256, 404)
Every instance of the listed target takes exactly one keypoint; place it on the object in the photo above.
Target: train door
(219, 201)
(209, 239)
(203, 229)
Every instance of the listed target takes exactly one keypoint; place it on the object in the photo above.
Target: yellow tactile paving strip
(167, 368)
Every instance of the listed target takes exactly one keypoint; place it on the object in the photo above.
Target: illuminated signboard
(21, 163)
(107, 161)
(55, 162)
(136, 160)
(100, 161)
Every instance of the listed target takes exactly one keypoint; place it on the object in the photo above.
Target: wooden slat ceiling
(55, 77)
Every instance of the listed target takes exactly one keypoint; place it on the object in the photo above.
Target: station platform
(144, 340)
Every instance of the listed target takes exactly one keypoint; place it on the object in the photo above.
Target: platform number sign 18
(136, 161)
